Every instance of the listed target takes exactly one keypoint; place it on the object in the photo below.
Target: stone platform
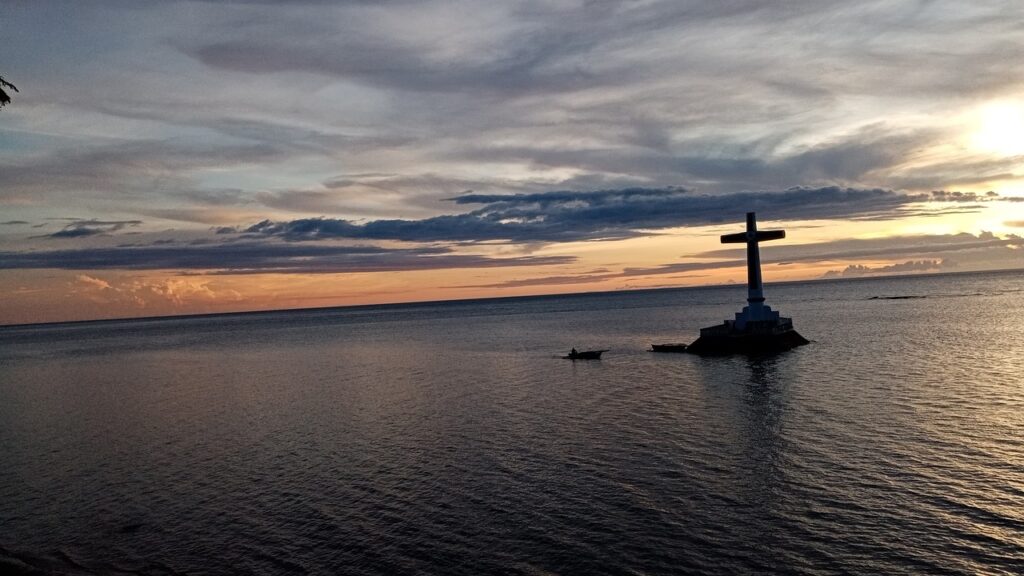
(755, 338)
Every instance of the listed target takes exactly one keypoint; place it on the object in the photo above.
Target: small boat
(668, 347)
(585, 355)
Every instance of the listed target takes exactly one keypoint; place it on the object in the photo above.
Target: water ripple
(452, 439)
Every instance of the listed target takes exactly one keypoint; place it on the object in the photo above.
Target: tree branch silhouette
(5, 98)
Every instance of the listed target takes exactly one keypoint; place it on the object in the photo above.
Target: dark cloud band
(262, 257)
(565, 216)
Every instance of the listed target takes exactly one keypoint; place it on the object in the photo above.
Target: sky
(180, 157)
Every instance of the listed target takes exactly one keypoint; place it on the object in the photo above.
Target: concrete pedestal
(754, 338)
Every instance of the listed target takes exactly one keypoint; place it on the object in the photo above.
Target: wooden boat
(585, 355)
(668, 347)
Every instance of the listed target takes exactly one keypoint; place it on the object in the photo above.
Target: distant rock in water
(757, 329)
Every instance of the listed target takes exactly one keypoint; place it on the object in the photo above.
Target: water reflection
(763, 412)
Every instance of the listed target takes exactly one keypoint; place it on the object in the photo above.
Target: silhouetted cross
(755, 290)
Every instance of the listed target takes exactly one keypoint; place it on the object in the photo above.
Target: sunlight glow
(1000, 128)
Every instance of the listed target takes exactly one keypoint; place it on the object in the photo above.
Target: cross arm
(759, 236)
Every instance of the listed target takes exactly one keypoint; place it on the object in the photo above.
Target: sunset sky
(171, 157)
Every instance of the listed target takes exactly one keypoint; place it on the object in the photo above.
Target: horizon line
(489, 298)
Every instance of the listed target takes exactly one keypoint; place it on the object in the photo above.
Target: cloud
(855, 270)
(886, 247)
(122, 171)
(628, 272)
(179, 293)
(554, 47)
(664, 92)
(565, 216)
(386, 64)
(981, 251)
(262, 257)
(869, 153)
(717, 97)
(315, 201)
(82, 228)
(957, 196)
(680, 267)
(209, 216)
(458, 47)
(91, 282)
(247, 111)
(549, 281)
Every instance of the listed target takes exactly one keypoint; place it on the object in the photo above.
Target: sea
(452, 438)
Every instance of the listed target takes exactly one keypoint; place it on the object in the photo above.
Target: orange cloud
(178, 293)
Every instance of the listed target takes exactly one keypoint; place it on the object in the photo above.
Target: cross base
(768, 335)
(721, 340)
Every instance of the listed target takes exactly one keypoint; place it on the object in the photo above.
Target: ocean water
(451, 438)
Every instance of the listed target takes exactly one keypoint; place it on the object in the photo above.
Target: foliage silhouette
(4, 97)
